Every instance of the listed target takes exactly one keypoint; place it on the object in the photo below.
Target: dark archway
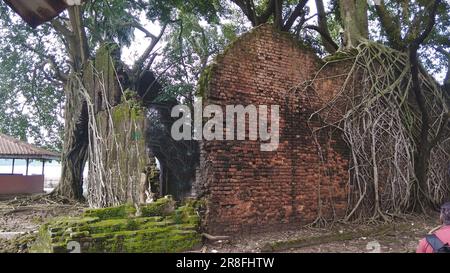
(178, 159)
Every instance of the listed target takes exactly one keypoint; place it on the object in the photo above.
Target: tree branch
(62, 29)
(278, 15)
(140, 62)
(446, 84)
(51, 60)
(324, 35)
(78, 45)
(430, 24)
(298, 11)
(391, 26)
(141, 28)
(246, 7)
(323, 25)
(59, 74)
(264, 17)
(414, 62)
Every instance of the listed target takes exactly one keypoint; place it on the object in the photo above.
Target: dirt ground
(24, 216)
(399, 237)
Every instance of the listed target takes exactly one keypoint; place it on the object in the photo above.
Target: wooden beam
(43, 166)
(13, 163)
(28, 163)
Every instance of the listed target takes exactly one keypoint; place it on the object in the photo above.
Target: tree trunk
(355, 21)
(76, 135)
(422, 157)
(424, 144)
(323, 25)
(76, 141)
(447, 78)
(278, 15)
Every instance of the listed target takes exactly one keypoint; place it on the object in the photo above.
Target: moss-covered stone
(122, 211)
(158, 228)
(161, 207)
(187, 215)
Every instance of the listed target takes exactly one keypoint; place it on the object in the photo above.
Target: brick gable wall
(248, 190)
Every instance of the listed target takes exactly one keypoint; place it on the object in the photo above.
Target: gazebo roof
(11, 148)
(36, 12)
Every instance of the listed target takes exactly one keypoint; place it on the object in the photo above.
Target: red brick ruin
(248, 190)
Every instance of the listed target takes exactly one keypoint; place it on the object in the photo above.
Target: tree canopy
(35, 62)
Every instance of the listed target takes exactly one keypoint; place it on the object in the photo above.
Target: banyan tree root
(381, 123)
(102, 191)
(215, 237)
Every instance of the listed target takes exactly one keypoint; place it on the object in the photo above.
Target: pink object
(443, 234)
(20, 184)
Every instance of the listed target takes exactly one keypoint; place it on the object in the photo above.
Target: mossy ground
(159, 227)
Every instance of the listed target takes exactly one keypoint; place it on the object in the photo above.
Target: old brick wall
(249, 190)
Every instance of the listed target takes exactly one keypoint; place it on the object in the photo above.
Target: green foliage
(191, 45)
(31, 99)
(169, 10)
(412, 17)
(111, 21)
(31, 91)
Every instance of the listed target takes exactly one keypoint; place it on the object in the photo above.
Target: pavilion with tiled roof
(11, 183)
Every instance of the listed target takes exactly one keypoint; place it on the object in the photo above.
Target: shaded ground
(25, 215)
(401, 236)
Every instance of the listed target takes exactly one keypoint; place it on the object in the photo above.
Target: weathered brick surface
(249, 190)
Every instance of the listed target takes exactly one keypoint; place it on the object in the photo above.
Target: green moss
(120, 113)
(128, 224)
(79, 234)
(341, 55)
(164, 239)
(74, 221)
(161, 228)
(164, 223)
(205, 79)
(131, 109)
(43, 242)
(162, 207)
(109, 226)
(160, 241)
(122, 211)
(185, 214)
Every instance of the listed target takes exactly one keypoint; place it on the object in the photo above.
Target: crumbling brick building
(249, 190)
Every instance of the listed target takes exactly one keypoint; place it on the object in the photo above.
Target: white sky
(140, 43)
